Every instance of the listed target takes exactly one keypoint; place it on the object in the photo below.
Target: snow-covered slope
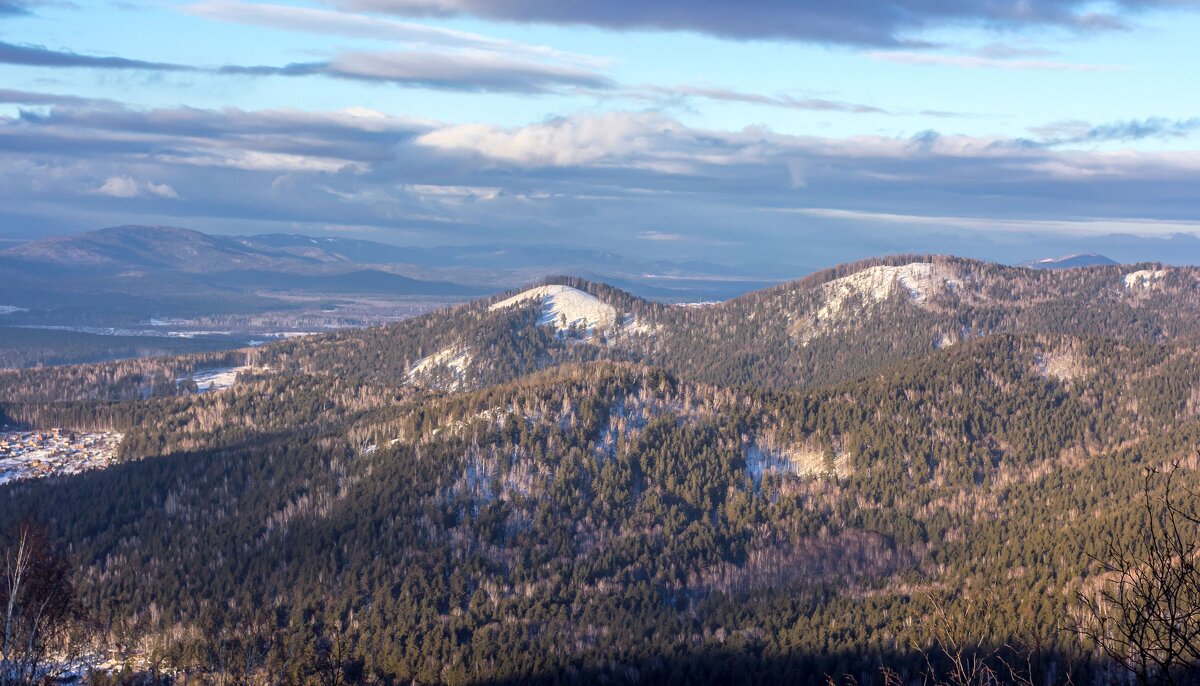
(446, 369)
(564, 307)
(1144, 278)
(918, 281)
(877, 284)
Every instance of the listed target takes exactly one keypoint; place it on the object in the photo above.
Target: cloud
(1076, 132)
(984, 62)
(468, 72)
(39, 56)
(254, 160)
(471, 71)
(264, 140)
(1085, 227)
(119, 187)
(623, 180)
(785, 101)
(561, 142)
(661, 236)
(13, 8)
(446, 193)
(855, 22)
(126, 187)
(161, 190)
(1009, 51)
(18, 97)
(326, 22)
(464, 61)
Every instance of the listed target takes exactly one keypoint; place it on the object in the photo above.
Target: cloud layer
(464, 70)
(854, 22)
(620, 179)
(40, 56)
(480, 72)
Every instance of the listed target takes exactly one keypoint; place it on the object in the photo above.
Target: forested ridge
(774, 338)
(614, 506)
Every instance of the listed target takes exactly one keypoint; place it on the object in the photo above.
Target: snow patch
(221, 378)
(1144, 278)
(945, 341)
(453, 361)
(1061, 365)
(802, 460)
(630, 325)
(564, 307)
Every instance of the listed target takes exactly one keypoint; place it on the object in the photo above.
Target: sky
(796, 132)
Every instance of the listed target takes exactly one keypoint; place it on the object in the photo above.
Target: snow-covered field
(122, 331)
(33, 454)
(219, 379)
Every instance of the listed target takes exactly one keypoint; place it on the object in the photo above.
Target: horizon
(1186, 261)
(1164, 250)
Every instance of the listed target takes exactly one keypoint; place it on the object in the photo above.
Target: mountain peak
(565, 307)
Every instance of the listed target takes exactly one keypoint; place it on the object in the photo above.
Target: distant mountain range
(1070, 261)
(285, 262)
(120, 281)
(144, 251)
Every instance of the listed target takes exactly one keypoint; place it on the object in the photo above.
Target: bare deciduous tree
(963, 655)
(42, 624)
(1146, 616)
(330, 657)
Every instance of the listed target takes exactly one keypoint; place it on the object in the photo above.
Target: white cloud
(124, 186)
(469, 70)
(119, 187)
(563, 142)
(254, 160)
(454, 193)
(1084, 226)
(661, 236)
(983, 62)
(352, 25)
(162, 190)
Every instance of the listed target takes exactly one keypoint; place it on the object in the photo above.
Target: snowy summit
(564, 307)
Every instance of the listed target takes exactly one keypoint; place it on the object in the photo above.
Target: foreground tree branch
(1146, 615)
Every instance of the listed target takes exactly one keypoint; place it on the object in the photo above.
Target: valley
(133, 291)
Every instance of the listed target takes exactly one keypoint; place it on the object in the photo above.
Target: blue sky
(799, 131)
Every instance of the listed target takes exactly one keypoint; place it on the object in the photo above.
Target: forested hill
(569, 484)
(612, 522)
(829, 327)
